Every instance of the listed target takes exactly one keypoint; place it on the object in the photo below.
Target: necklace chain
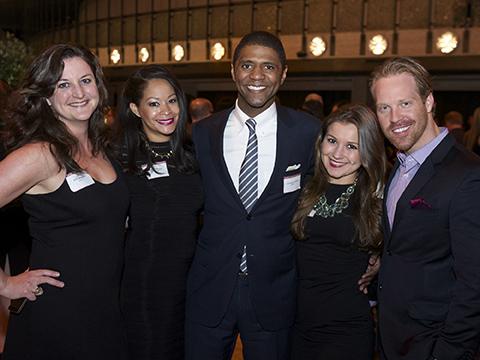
(161, 156)
(324, 210)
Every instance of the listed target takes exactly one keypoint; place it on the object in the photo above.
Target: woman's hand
(27, 284)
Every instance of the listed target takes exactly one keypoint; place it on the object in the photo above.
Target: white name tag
(79, 181)
(291, 183)
(157, 170)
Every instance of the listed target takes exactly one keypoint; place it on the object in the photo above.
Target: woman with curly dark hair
(338, 225)
(166, 190)
(57, 156)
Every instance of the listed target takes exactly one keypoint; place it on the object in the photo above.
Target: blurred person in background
(454, 122)
(472, 136)
(200, 108)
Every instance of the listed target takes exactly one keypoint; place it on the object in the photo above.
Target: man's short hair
(200, 108)
(403, 65)
(313, 96)
(453, 117)
(262, 38)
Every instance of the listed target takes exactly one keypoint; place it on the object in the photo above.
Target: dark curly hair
(30, 119)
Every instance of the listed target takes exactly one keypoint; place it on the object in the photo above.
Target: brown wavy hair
(366, 200)
(29, 119)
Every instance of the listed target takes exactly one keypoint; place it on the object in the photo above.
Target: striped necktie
(248, 181)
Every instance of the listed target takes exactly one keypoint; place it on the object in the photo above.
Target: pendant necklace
(324, 210)
(161, 156)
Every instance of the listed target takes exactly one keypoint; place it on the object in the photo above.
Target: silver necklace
(324, 210)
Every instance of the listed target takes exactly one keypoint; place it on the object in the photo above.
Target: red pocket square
(419, 204)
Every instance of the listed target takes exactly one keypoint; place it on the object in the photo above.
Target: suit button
(239, 255)
(389, 253)
(249, 217)
(380, 287)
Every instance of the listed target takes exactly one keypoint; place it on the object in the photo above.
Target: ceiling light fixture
(378, 44)
(115, 56)
(218, 51)
(143, 55)
(318, 46)
(447, 42)
(178, 53)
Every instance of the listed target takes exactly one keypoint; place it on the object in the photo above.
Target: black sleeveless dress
(81, 235)
(333, 320)
(161, 239)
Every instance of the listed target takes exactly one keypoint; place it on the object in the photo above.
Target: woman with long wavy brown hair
(337, 237)
(77, 201)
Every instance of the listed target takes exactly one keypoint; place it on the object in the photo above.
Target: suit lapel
(285, 138)
(216, 144)
(423, 175)
(386, 224)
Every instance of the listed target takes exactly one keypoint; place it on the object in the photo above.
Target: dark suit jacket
(429, 280)
(266, 230)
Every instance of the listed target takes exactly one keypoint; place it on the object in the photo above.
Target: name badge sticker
(79, 181)
(291, 183)
(158, 170)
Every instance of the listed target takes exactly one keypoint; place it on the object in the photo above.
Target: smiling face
(340, 154)
(76, 93)
(158, 110)
(404, 118)
(258, 75)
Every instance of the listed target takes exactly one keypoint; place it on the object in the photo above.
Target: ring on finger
(38, 291)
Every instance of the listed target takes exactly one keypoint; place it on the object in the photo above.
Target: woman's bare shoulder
(31, 168)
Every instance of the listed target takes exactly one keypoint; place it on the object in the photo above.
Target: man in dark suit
(429, 280)
(223, 298)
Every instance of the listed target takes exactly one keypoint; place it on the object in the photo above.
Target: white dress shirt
(235, 139)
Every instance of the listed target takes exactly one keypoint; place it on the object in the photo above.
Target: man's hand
(370, 273)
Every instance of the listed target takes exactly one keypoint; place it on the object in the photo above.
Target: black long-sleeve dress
(333, 320)
(160, 245)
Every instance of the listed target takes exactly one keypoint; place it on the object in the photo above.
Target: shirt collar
(263, 120)
(420, 155)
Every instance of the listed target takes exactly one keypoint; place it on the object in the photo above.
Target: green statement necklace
(324, 210)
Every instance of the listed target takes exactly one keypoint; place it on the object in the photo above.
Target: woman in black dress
(166, 200)
(56, 154)
(337, 237)
(472, 136)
